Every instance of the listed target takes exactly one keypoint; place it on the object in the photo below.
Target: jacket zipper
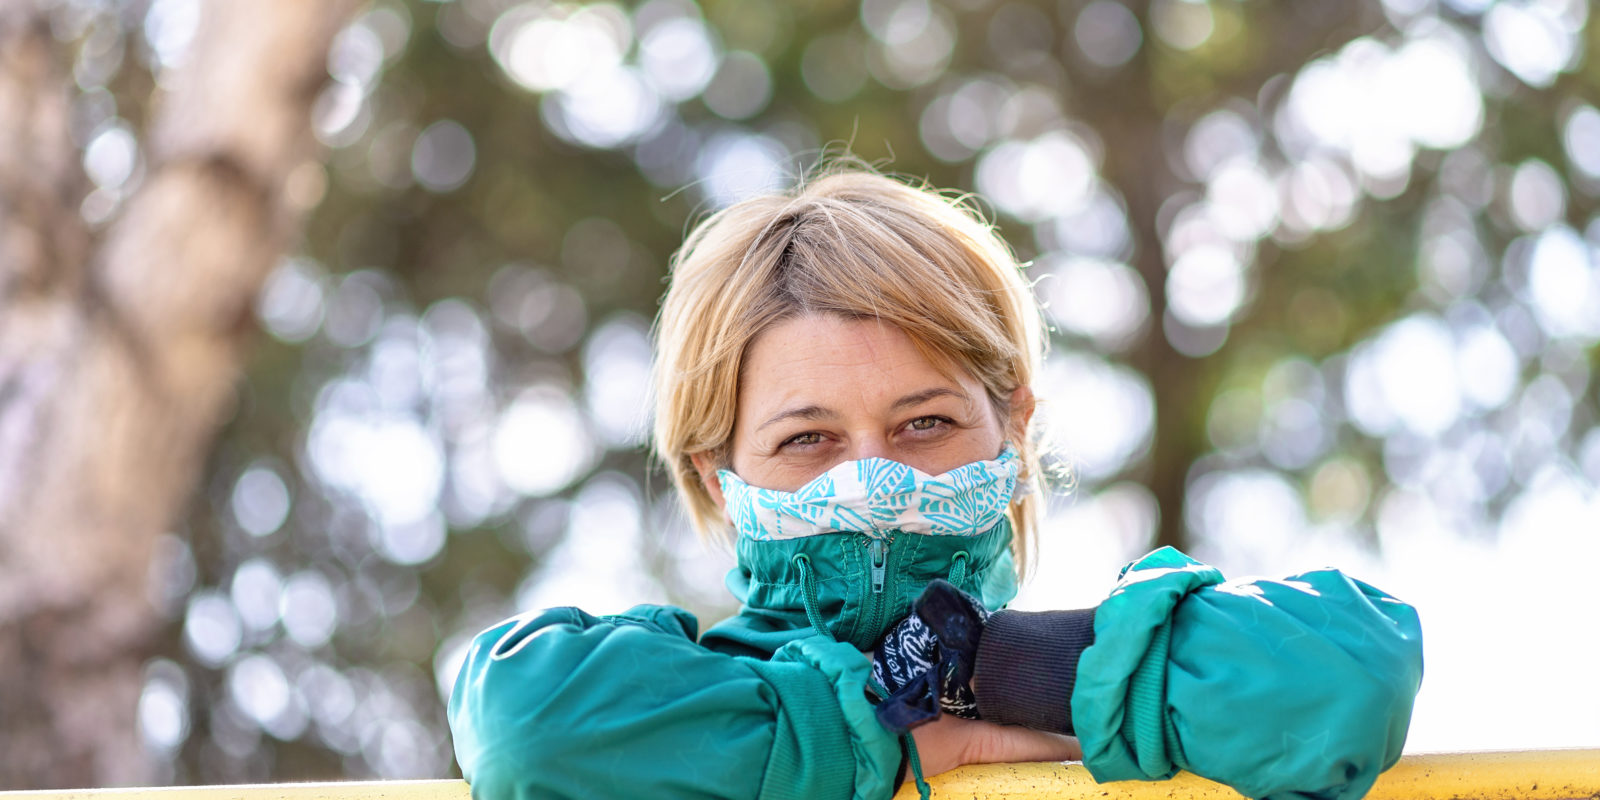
(878, 560)
(878, 551)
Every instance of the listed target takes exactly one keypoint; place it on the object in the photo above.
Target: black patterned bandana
(924, 672)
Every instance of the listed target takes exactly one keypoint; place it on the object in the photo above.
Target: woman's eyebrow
(918, 398)
(804, 412)
(816, 412)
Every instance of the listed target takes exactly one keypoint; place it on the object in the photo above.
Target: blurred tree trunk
(1134, 119)
(119, 350)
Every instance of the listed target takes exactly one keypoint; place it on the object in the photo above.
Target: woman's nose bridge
(869, 445)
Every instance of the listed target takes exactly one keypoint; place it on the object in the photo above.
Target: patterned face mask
(875, 496)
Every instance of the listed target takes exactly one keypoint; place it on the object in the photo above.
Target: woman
(843, 385)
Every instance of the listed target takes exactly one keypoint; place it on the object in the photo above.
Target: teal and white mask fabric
(875, 496)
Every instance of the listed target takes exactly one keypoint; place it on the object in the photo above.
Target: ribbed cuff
(812, 754)
(1027, 665)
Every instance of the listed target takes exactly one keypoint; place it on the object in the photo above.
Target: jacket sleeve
(559, 703)
(1297, 688)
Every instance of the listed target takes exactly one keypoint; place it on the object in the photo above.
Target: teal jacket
(1300, 688)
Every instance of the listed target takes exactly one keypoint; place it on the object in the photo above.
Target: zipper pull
(878, 552)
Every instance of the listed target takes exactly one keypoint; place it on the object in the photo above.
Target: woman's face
(822, 389)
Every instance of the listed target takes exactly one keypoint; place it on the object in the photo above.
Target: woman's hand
(950, 742)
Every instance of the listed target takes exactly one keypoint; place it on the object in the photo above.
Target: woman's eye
(805, 439)
(926, 423)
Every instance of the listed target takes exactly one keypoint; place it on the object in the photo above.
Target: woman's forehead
(825, 360)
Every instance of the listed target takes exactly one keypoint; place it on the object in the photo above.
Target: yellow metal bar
(1519, 775)
(1516, 775)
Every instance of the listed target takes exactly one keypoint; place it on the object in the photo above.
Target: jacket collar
(863, 585)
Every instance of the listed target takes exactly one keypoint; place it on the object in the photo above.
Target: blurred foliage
(1313, 267)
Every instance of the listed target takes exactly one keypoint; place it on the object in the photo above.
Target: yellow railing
(1520, 775)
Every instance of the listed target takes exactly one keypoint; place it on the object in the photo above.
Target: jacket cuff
(828, 742)
(1118, 702)
(1146, 723)
(1027, 665)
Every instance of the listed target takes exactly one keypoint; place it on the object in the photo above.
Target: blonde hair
(855, 244)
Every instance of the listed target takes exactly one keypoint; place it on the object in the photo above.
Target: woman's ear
(707, 467)
(1022, 405)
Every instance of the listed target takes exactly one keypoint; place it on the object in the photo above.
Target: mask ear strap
(1021, 485)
